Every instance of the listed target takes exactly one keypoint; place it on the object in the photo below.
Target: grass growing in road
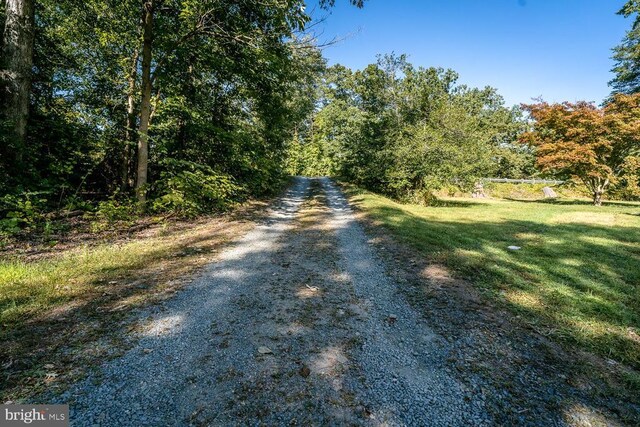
(577, 276)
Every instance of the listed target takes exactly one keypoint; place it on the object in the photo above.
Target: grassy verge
(505, 190)
(64, 311)
(517, 191)
(575, 278)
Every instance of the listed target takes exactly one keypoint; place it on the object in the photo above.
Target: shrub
(189, 189)
(21, 211)
(112, 211)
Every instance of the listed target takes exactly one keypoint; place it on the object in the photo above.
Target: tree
(148, 11)
(86, 75)
(622, 117)
(15, 77)
(406, 131)
(151, 97)
(627, 54)
(581, 141)
(455, 144)
(230, 25)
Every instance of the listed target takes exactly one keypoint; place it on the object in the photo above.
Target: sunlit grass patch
(55, 310)
(524, 299)
(577, 274)
(600, 218)
(30, 288)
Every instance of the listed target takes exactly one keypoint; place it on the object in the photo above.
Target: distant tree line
(407, 131)
(191, 105)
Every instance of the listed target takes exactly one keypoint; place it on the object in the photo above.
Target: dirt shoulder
(87, 318)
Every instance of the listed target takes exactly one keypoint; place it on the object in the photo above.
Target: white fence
(523, 181)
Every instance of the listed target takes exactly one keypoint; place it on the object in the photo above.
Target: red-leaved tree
(595, 145)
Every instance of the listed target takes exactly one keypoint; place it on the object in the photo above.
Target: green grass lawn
(29, 289)
(577, 276)
(32, 288)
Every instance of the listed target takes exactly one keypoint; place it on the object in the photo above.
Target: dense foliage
(211, 91)
(406, 131)
(192, 105)
(627, 54)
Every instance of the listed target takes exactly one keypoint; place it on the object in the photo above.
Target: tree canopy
(159, 94)
(407, 130)
(598, 146)
(193, 105)
(627, 54)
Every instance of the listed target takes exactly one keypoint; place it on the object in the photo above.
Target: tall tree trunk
(145, 103)
(131, 122)
(15, 75)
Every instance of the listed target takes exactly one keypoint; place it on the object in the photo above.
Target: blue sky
(557, 49)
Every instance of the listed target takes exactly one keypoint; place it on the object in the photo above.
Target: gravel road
(297, 323)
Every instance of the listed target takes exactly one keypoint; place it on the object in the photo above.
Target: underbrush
(507, 190)
(183, 190)
(514, 191)
(188, 189)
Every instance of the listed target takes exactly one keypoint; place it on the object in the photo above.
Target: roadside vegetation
(413, 133)
(518, 191)
(62, 311)
(575, 277)
(148, 107)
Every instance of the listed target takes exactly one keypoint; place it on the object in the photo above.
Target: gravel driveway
(297, 323)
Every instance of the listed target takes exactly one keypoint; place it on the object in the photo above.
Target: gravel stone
(284, 327)
(345, 347)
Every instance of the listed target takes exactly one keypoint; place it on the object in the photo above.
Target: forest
(183, 106)
(187, 107)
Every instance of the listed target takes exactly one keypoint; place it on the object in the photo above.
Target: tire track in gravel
(295, 324)
(406, 378)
